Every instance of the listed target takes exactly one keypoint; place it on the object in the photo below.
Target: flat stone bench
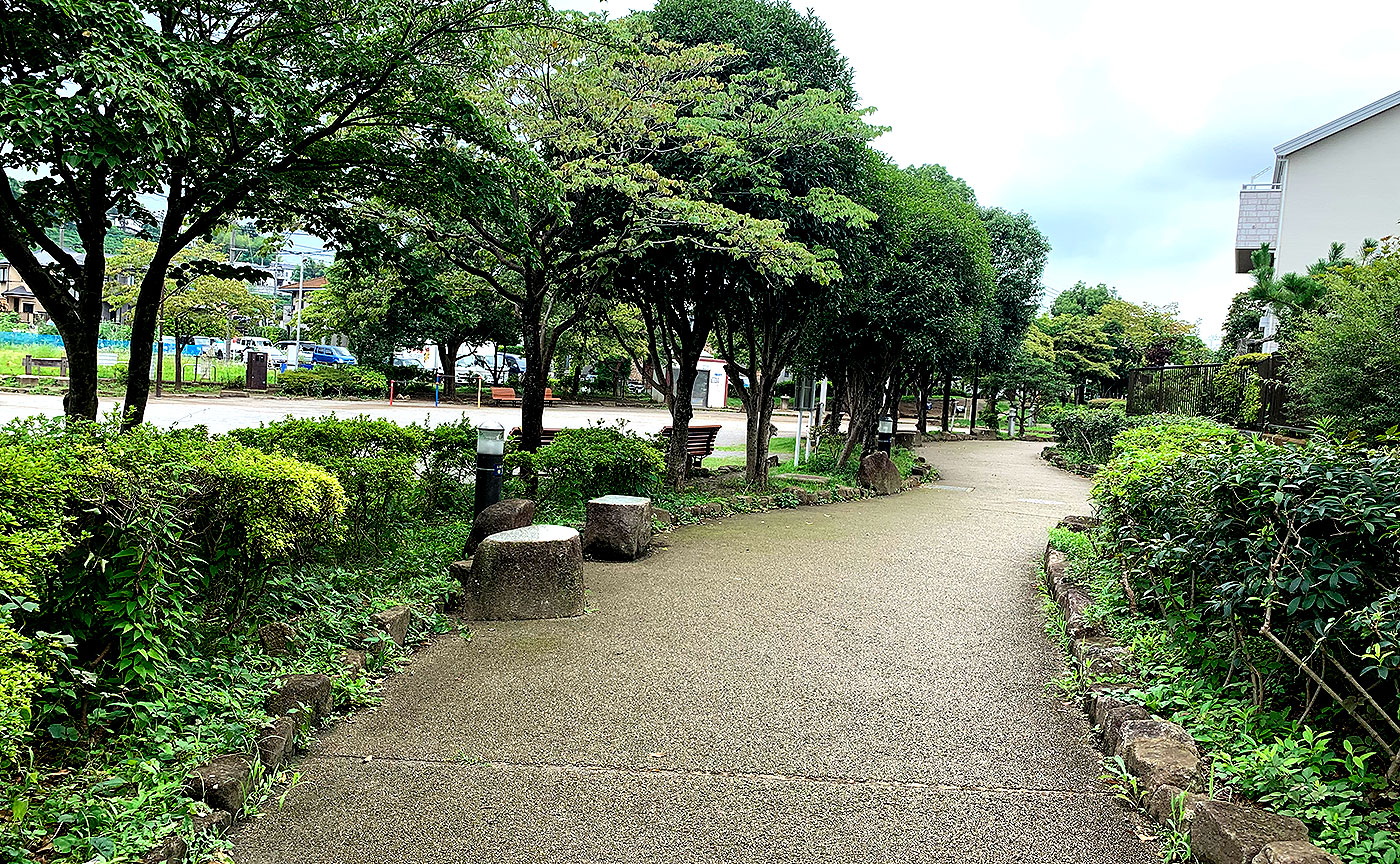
(618, 526)
(525, 573)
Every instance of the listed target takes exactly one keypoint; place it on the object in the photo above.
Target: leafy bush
(334, 382)
(1344, 357)
(1086, 434)
(1108, 403)
(585, 463)
(376, 462)
(1235, 390)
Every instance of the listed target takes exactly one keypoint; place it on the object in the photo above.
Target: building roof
(1346, 122)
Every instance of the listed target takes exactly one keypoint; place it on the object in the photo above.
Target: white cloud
(1124, 129)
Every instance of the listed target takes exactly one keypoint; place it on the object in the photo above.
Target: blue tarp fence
(20, 339)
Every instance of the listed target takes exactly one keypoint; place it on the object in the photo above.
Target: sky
(1124, 129)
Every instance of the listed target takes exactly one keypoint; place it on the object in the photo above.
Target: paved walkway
(864, 682)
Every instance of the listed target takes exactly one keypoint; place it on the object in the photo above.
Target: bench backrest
(699, 440)
(503, 393)
(546, 435)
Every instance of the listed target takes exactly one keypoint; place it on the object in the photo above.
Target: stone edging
(1162, 757)
(299, 704)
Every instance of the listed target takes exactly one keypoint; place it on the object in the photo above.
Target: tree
(591, 110)
(810, 187)
(926, 271)
(1241, 333)
(1033, 377)
(1019, 253)
(1344, 356)
(202, 294)
(607, 338)
(220, 109)
(1081, 299)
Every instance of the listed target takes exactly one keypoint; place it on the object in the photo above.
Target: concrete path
(864, 682)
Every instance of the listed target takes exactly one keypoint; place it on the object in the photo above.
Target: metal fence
(1191, 389)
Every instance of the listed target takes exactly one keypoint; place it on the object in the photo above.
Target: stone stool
(532, 572)
(618, 526)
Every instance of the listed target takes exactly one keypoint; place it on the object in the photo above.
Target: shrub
(334, 382)
(1235, 390)
(1344, 358)
(1086, 434)
(376, 462)
(1108, 403)
(584, 463)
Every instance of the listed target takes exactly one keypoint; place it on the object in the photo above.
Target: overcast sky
(1124, 129)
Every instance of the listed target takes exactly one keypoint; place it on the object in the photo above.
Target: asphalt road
(863, 682)
(222, 414)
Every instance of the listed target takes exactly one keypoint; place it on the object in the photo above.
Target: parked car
(330, 355)
(294, 349)
(472, 366)
(243, 344)
(410, 362)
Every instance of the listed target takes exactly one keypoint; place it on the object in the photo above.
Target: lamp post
(886, 437)
(301, 301)
(490, 456)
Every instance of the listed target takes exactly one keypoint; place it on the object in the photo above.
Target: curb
(1160, 761)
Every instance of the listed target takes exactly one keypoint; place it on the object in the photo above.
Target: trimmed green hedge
(334, 382)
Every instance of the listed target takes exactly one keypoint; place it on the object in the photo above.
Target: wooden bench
(59, 363)
(508, 394)
(546, 435)
(699, 442)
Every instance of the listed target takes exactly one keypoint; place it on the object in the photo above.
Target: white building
(1338, 183)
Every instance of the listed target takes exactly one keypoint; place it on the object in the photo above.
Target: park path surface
(860, 682)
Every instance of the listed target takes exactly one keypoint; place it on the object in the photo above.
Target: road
(864, 682)
(223, 414)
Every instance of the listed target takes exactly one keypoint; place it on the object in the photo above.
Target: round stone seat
(525, 573)
(618, 527)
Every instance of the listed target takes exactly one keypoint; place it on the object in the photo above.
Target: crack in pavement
(593, 769)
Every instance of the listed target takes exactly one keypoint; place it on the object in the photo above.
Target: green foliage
(1344, 357)
(1236, 390)
(334, 382)
(1191, 670)
(1086, 434)
(375, 461)
(585, 463)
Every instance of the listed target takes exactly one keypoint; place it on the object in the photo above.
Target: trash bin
(255, 374)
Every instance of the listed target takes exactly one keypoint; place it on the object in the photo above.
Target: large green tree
(218, 109)
(811, 188)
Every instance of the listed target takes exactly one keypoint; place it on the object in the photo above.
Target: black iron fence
(1253, 395)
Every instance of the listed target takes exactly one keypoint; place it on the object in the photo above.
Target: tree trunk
(1021, 423)
(449, 367)
(145, 319)
(972, 417)
(179, 365)
(835, 401)
(80, 344)
(677, 459)
(924, 391)
(760, 419)
(947, 400)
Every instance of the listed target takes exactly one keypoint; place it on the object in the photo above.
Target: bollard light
(490, 456)
(886, 436)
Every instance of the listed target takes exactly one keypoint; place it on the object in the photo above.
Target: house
(15, 295)
(1338, 183)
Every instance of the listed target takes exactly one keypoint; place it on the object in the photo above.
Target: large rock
(617, 526)
(277, 638)
(1171, 805)
(1294, 852)
(1138, 729)
(214, 823)
(275, 742)
(222, 784)
(307, 696)
(393, 622)
(504, 515)
(170, 850)
(1113, 721)
(1161, 761)
(1227, 833)
(879, 473)
(534, 572)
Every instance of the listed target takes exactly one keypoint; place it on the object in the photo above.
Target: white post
(797, 442)
(301, 301)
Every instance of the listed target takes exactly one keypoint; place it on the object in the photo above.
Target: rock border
(1162, 757)
(299, 704)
